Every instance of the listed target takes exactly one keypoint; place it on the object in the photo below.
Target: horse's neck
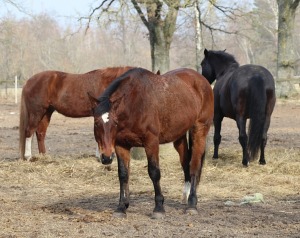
(226, 71)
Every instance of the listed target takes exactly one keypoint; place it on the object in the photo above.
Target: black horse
(241, 93)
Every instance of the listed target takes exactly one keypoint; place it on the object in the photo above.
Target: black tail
(104, 102)
(257, 113)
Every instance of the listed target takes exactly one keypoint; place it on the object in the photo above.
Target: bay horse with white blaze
(143, 109)
(65, 93)
(241, 93)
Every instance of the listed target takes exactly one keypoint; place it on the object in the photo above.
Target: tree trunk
(160, 29)
(160, 50)
(198, 36)
(286, 53)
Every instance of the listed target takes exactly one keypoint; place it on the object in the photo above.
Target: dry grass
(73, 195)
(224, 178)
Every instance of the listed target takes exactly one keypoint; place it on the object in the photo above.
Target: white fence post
(16, 89)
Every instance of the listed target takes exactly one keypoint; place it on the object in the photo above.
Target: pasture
(69, 194)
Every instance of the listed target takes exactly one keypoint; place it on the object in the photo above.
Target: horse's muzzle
(107, 159)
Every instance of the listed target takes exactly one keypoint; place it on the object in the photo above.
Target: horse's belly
(175, 129)
(73, 109)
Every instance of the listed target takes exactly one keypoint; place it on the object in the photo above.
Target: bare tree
(159, 17)
(161, 26)
(286, 52)
(203, 24)
(198, 35)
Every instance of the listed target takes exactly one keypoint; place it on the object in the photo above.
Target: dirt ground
(69, 194)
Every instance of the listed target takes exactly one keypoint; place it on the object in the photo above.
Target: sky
(62, 10)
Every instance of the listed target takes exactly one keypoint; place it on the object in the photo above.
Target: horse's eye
(97, 123)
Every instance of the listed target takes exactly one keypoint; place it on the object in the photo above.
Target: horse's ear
(205, 52)
(224, 50)
(158, 72)
(94, 101)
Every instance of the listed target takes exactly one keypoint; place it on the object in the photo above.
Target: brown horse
(142, 109)
(65, 93)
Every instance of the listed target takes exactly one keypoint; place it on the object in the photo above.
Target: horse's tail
(23, 124)
(257, 114)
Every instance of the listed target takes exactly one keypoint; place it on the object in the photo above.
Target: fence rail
(295, 80)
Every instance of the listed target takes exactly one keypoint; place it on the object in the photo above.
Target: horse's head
(208, 70)
(105, 129)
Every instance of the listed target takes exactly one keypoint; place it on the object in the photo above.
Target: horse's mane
(104, 102)
(112, 72)
(224, 56)
(223, 62)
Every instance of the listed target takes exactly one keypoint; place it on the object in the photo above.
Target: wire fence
(10, 90)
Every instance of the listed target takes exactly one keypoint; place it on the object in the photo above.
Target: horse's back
(249, 71)
(199, 85)
(193, 79)
(252, 83)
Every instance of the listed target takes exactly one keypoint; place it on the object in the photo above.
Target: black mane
(221, 62)
(224, 57)
(104, 99)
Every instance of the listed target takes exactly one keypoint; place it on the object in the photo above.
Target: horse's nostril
(106, 159)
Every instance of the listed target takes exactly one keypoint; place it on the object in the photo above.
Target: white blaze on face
(27, 154)
(105, 117)
(186, 192)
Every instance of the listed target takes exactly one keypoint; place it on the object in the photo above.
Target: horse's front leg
(123, 156)
(217, 135)
(154, 173)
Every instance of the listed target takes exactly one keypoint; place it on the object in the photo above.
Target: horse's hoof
(262, 162)
(158, 215)
(27, 158)
(191, 211)
(120, 215)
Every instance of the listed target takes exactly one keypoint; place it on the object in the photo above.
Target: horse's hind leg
(29, 131)
(198, 135)
(269, 109)
(32, 126)
(264, 141)
(41, 131)
(243, 139)
(181, 147)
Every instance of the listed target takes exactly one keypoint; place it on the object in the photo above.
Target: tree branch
(140, 12)
(224, 10)
(295, 4)
(89, 18)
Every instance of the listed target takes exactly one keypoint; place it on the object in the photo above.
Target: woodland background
(34, 43)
